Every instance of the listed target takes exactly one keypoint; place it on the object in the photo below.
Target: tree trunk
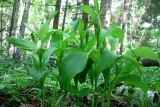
(109, 7)
(103, 8)
(64, 17)
(43, 10)
(124, 22)
(1, 32)
(76, 15)
(18, 52)
(56, 18)
(14, 20)
(24, 18)
(106, 6)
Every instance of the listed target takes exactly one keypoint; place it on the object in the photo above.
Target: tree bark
(103, 11)
(56, 18)
(43, 10)
(14, 20)
(124, 22)
(1, 32)
(18, 52)
(24, 18)
(64, 17)
(106, 6)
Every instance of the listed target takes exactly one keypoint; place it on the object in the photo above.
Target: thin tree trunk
(106, 6)
(56, 18)
(14, 20)
(1, 36)
(109, 6)
(124, 22)
(76, 15)
(103, 11)
(43, 9)
(64, 17)
(18, 53)
(24, 18)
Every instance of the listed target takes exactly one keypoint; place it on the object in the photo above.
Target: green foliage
(72, 63)
(116, 32)
(78, 60)
(89, 10)
(22, 44)
(143, 52)
(44, 28)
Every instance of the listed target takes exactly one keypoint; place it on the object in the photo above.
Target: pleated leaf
(25, 45)
(72, 63)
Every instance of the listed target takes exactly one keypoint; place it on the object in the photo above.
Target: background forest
(85, 53)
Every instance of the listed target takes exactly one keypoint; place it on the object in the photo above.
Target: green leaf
(90, 44)
(81, 77)
(30, 28)
(42, 79)
(80, 25)
(74, 25)
(94, 55)
(59, 52)
(44, 28)
(40, 53)
(157, 85)
(107, 58)
(91, 75)
(57, 39)
(116, 32)
(132, 80)
(72, 63)
(103, 38)
(89, 10)
(81, 32)
(84, 92)
(33, 37)
(112, 42)
(143, 52)
(26, 45)
(131, 64)
(48, 35)
(106, 75)
(47, 54)
(96, 5)
(36, 61)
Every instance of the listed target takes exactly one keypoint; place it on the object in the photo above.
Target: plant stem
(95, 90)
(109, 98)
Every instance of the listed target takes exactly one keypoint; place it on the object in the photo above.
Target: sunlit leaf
(57, 38)
(143, 52)
(26, 45)
(44, 28)
(47, 54)
(89, 10)
(116, 32)
(90, 44)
